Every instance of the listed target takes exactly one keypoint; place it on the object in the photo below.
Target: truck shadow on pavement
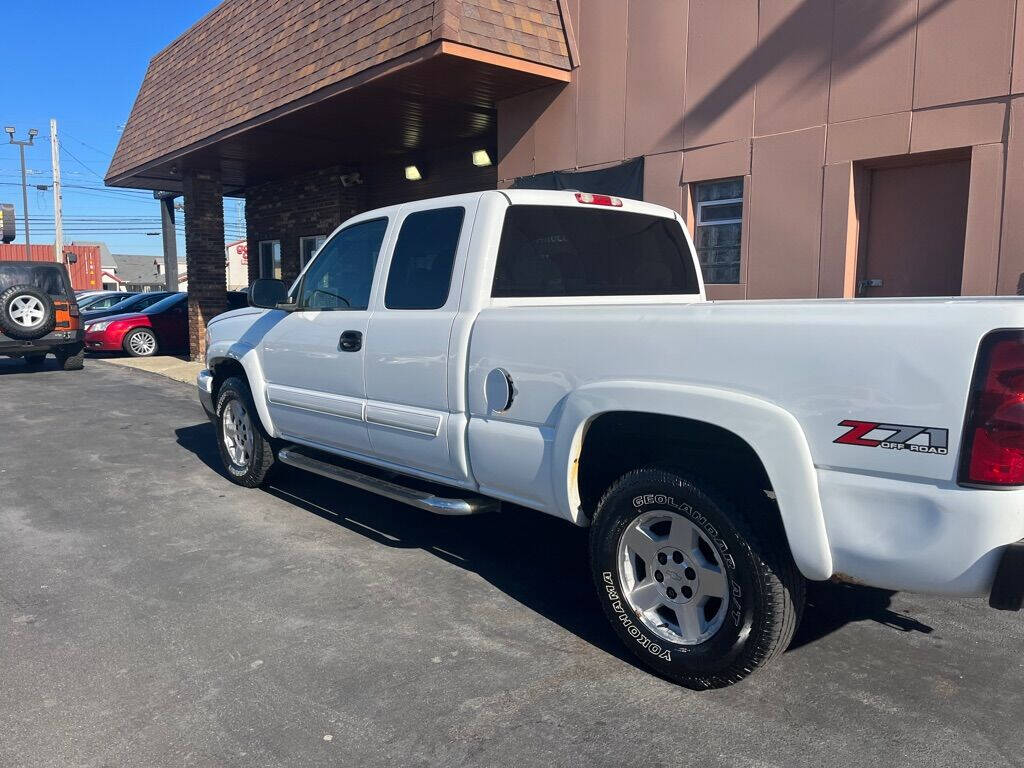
(832, 606)
(524, 553)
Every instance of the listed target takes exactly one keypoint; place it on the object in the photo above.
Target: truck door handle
(351, 341)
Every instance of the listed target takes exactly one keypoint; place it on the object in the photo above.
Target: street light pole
(24, 199)
(32, 133)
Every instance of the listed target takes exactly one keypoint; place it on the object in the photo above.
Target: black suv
(38, 314)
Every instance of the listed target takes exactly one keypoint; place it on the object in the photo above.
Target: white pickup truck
(555, 350)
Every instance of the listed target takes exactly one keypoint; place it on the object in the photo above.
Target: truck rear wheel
(695, 591)
(245, 448)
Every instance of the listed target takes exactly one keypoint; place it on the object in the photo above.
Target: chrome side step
(474, 505)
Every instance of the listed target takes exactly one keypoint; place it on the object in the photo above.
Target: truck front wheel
(695, 591)
(244, 447)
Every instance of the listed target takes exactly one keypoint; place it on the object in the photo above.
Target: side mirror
(267, 294)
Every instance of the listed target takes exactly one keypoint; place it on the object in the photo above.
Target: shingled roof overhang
(264, 88)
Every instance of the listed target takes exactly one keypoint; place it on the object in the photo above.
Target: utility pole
(169, 237)
(58, 240)
(32, 133)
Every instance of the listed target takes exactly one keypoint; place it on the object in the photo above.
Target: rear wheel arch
(768, 439)
(617, 442)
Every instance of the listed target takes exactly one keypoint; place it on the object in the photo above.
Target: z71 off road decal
(895, 437)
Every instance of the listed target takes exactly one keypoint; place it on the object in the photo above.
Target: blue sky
(82, 63)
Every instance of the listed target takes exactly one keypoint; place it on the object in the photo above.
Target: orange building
(86, 273)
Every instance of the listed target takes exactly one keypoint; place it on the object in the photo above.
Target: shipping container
(85, 273)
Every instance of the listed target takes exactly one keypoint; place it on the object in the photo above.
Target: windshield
(48, 278)
(126, 304)
(88, 301)
(101, 301)
(163, 304)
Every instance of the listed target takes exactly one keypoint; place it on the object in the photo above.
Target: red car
(163, 326)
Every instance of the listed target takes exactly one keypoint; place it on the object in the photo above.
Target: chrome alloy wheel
(26, 311)
(238, 436)
(673, 577)
(142, 343)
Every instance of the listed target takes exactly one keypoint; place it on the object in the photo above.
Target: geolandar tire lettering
(750, 592)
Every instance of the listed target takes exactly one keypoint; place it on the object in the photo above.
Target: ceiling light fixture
(412, 173)
(480, 158)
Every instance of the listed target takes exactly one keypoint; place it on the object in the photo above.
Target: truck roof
(569, 197)
(530, 197)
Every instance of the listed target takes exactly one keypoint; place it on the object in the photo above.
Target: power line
(89, 190)
(70, 154)
(88, 146)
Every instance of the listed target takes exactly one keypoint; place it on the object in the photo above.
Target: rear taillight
(588, 199)
(993, 449)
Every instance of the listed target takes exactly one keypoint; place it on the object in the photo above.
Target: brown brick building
(816, 147)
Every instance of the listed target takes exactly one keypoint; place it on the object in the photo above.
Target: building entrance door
(916, 230)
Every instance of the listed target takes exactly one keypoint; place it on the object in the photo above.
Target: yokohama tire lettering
(627, 623)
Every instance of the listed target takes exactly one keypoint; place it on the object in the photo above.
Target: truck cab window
(421, 268)
(550, 251)
(342, 275)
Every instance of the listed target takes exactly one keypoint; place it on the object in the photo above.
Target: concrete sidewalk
(177, 368)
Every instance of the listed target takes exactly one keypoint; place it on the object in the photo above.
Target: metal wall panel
(964, 50)
(655, 72)
(873, 58)
(602, 82)
(722, 70)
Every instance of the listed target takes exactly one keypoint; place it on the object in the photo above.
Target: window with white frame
(308, 246)
(719, 214)
(270, 259)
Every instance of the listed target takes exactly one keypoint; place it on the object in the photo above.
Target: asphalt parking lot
(154, 614)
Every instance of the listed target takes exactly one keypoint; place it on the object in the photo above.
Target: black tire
(137, 334)
(254, 472)
(766, 592)
(10, 301)
(35, 360)
(71, 359)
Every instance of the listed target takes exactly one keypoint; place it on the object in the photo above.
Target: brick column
(204, 253)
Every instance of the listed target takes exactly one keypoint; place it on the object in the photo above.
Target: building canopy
(258, 88)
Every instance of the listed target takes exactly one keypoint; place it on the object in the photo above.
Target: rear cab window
(551, 251)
